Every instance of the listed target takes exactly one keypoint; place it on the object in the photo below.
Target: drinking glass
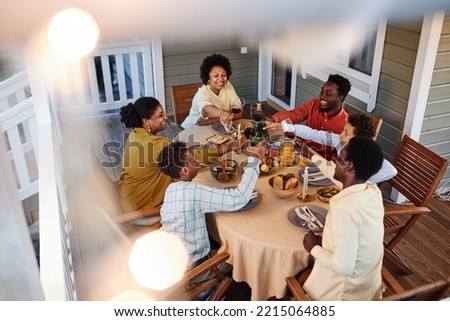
(238, 106)
(256, 112)
(286, 151)
(288, 128)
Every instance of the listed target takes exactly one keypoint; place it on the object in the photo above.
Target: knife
(305, 218)
(313, 218)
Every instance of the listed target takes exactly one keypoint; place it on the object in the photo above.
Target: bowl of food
(325, 193)
(267, 166)
(224, 170)
(283, 186)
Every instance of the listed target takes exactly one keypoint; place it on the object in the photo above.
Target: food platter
(217, 139)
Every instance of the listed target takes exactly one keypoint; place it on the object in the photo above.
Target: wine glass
(256, 112)
(238, 106)
(288, 128)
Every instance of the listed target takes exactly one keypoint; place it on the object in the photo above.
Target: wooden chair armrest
(405, 210)
(126, 217)
(391, 282)
(205, 266)
(296, 289)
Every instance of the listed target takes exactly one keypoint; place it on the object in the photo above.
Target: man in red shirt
(323, 113)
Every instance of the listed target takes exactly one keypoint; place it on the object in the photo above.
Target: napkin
(311, 225)
(326, 167)
(315, 176)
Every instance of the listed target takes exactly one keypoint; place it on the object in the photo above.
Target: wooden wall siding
(436, 124)
(182, 63)
(397, 68)
(307, 89)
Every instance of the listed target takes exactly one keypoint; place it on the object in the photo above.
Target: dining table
(264, 245)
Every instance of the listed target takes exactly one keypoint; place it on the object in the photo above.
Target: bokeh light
(158, 260)
(73, 33)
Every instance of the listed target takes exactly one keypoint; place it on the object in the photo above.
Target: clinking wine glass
(288, 128)
(238, 106)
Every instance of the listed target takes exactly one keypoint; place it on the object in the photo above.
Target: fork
(312, 216)
(302, 215)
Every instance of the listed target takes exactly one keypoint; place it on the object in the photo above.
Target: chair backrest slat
(420, 171)
(182, 96)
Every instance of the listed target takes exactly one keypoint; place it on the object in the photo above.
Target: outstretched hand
(272, 126)
(258, 150)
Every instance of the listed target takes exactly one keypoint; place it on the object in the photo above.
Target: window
(363, 60)
(362, 68)
(281, 81)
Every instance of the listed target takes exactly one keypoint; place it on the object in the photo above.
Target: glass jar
(286, 151)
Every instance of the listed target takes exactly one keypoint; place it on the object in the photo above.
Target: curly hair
(132, 114)
(366, 156)
(343, 84)
(172, 159)
(212, 61)
(362, 124)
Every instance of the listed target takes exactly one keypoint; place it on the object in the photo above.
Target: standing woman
(212, 102)
(142, 184)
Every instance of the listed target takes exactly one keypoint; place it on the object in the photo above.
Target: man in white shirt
(349, 256)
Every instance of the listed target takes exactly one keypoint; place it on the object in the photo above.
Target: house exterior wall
(182, 64)
(397, 69)
(435, 132)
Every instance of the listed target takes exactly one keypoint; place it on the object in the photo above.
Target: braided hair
(132, 114)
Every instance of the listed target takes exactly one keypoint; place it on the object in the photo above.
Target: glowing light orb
(157, 260)
(73, 33)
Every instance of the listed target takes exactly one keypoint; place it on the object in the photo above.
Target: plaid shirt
(186, 203)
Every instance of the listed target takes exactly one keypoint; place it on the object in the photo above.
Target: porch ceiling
(131, 19)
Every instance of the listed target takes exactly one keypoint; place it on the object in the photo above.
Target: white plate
(319, 212)
(322, 182)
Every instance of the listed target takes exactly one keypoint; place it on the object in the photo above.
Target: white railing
(110, 77)
(31, 106)
(18, 123)
(33, 150)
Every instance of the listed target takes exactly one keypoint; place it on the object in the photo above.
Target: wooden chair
(186, 290)
(182, 96)
(377, 122)
(108, 205)
(429, 292)
(393, 291)
(419, 172)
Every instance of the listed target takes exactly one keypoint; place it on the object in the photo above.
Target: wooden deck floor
(101, 270)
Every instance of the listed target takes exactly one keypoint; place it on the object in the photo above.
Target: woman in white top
(357, 125)
(213, 101)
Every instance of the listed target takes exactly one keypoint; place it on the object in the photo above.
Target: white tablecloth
(264, 246)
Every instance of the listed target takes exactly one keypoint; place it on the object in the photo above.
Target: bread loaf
(291, 183)
(288, 176)
(278, 182)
